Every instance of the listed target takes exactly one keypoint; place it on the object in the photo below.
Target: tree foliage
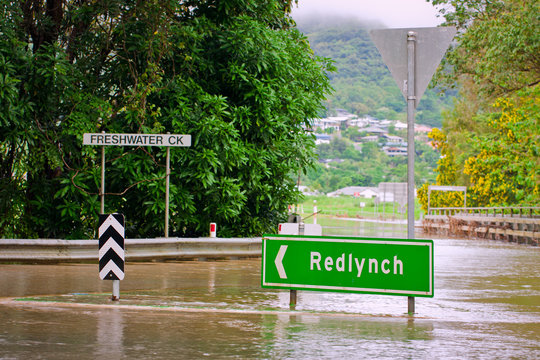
(505, 169)
(498, 44)
(490, 139)
(236, 75)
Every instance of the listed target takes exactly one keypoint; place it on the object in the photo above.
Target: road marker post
(111, 250)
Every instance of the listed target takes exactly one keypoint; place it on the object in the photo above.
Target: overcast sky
(391, 13)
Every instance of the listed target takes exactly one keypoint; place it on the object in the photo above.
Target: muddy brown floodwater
(486, 306)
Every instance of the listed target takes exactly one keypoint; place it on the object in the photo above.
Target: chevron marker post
(111, 246)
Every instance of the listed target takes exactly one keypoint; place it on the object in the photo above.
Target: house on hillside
(385, 123)
(400, 126)
(333, 122)
(393, 151)
(357, 122)
(371, 138)
(326, 123)
(368, 193)
(322, 139)
(392, 139)
(375, 130)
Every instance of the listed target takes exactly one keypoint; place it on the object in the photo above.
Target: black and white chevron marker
(111, 246)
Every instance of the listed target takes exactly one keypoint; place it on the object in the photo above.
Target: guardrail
(47, 250)
(518, 224)
(527, 211)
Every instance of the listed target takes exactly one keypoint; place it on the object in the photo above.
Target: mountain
(363, 85)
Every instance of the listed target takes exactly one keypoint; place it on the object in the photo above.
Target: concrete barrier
(47, 250)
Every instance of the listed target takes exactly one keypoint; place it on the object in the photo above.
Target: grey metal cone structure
(431, 45)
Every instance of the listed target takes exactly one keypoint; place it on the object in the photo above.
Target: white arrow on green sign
(344, 264)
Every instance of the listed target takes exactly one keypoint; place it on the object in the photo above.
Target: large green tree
(235, 74)
(490, 139)
(498, 45)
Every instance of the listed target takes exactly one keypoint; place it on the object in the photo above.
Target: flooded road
(486, 306)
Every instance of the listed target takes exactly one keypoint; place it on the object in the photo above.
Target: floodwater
(486, 306)
(364, 227)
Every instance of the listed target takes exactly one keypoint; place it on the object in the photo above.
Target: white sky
(391, 13)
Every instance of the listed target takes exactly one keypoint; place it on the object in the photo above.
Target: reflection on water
(363, 227)
(331, 337)
(110, 333)
(486, 305)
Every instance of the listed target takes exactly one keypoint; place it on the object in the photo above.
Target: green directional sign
(363, 265)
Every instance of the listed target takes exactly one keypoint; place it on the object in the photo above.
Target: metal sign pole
(103, 139)
(103, 179)
(167, 175)
(115, 290)
(423, 51)
(293, 293)
(411, 100)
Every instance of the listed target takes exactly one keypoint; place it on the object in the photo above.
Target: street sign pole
(103, 139)
(103, 179)
(115, 290)
(167, 179)
(293, 295)
(411, 100)
(412, 64)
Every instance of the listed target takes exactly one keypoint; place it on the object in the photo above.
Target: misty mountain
(363, 85)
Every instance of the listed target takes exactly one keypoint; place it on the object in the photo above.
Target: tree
(498, 44)
(505, 169)
(235, 74)
(448, 173)
(495, 65)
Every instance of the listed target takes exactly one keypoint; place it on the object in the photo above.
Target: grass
(348, 206)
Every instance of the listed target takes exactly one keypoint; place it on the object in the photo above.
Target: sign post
(167, 184)
(102, 189)
(411, 100)
(111, 250)
(169, 140)
(412, 55)
(343, 264)
(111, 227)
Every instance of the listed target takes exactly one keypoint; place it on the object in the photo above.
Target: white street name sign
(105, 139)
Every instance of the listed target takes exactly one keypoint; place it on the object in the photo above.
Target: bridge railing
(526, 211)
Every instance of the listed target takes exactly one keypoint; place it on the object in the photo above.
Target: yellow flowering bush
(506, 167)
(447, 168)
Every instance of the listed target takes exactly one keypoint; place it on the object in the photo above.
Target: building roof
(323, 136)
(374, 130)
